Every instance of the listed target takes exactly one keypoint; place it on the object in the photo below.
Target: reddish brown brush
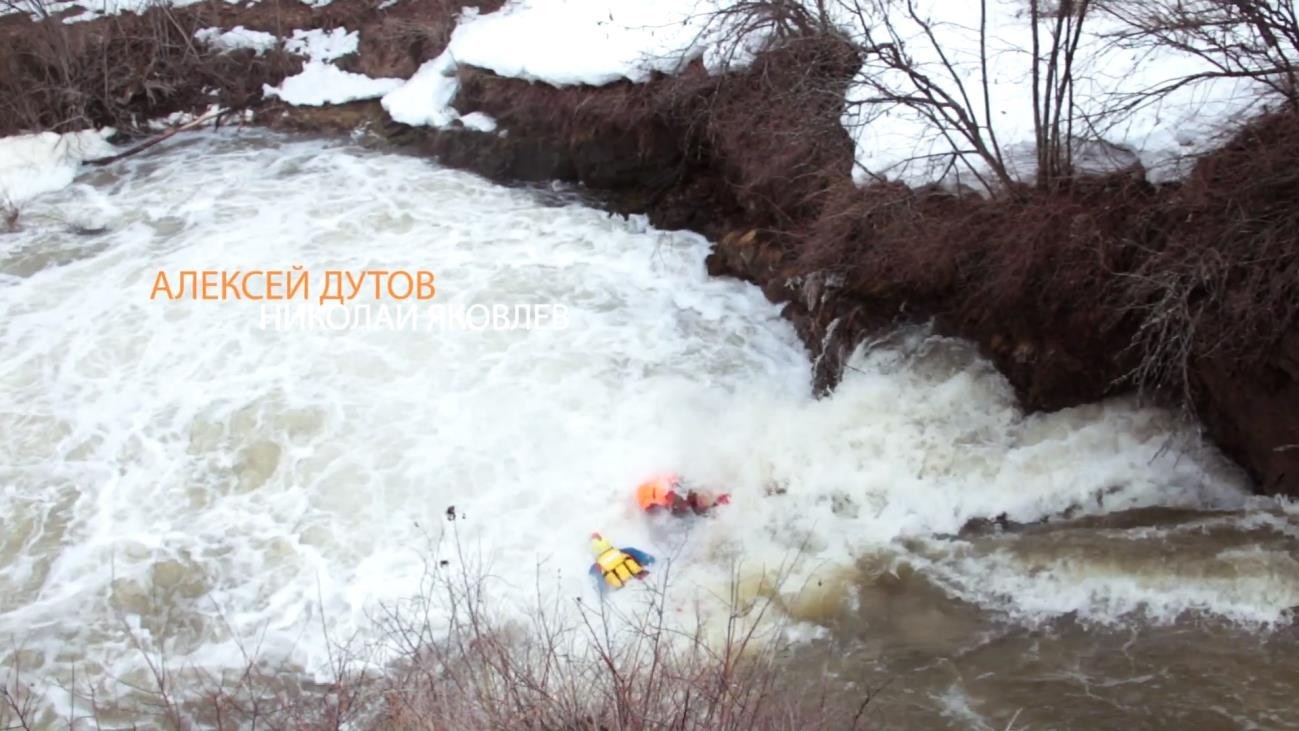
(122, 71)
(447, 659)
(1223, 283)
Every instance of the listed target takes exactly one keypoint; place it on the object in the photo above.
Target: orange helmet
(656, 492)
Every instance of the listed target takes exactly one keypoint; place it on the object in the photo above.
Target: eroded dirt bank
(1187, 291)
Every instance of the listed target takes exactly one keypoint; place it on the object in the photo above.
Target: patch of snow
(899, 143)
(92, 9)
(39, 163)
(320, 83)
(597, 42)
(322, 45)
(569, 42)
(84, 17)
(479, 122)
(425, 98)
(237, 38)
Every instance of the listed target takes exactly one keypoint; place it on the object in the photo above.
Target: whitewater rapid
(177, 468)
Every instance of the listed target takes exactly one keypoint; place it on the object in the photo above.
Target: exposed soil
(1188, 292)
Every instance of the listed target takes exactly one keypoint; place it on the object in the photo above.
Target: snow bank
(597, 42)
(40, 163)
(899, 143)
(321, 82)
(570, 42)
(237, 38)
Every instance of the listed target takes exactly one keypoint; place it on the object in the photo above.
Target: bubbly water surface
(177, 473)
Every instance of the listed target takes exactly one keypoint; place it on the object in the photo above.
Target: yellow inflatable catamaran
(614, 567)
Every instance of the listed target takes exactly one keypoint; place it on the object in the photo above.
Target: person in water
(665, 494)
(614, 567)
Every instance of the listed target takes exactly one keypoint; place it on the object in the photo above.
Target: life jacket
(657, 492)
(617, 567)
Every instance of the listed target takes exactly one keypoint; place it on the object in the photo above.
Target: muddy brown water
(938, 662)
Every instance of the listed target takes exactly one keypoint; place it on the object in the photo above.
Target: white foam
(39, 163)
(203, 462)
(1252, 585)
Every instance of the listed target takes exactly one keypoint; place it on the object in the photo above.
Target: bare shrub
(955, 101)
(449, 659)
(1250, 39)
(1084, 286)
(1223, 283)
(910, 63)
(19, 704)
(37, 9)
(464, 666)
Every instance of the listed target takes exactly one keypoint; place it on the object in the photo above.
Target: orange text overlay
(335, 285)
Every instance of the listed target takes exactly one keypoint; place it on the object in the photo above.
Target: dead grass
(122, 71)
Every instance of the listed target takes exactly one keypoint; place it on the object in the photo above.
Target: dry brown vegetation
(1224, 283)
(122, 71)
(454, 661)
(1085, 286)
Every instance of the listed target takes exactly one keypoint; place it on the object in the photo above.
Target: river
(187, 477)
